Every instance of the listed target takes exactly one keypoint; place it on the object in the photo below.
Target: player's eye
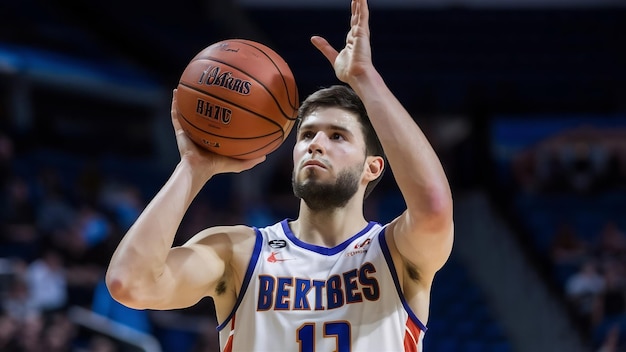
(306, 135)
(336, 136)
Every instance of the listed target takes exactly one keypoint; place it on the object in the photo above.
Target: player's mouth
(314, 163)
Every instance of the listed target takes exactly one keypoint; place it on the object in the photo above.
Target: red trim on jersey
(229, 344)
(411, 336)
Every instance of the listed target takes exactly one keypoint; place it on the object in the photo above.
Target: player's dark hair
(343, 97)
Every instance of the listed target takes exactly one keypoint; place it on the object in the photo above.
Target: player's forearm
(416, 167)
(139, 261)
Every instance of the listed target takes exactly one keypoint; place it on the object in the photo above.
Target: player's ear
(374, 166)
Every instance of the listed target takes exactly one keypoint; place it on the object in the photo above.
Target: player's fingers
(325, 48)
(354, 7)
(174, 112)
(361, 14)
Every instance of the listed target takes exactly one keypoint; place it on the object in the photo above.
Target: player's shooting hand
(356, 57)
(203, 159)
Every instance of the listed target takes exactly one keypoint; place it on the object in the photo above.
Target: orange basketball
(237, 98)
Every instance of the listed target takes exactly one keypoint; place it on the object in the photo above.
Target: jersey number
(340, 330)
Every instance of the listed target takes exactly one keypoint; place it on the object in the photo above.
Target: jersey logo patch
(363, 244)
(274, 259)
(360, 248)
(278, 243)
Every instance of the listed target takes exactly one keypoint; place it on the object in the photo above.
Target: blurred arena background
(525, 102)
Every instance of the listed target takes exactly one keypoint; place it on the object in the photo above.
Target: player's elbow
(440, 213)
(440, 202)
(432, 212)
(116, 288)
(123, 290)
(436, 203)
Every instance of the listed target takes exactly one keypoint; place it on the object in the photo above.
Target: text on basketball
(213, 76)
(214, 111)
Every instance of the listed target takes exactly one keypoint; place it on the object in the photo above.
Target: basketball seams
(265, 97)
(269, 145)
(282, 133)
(261, 148)
(188, 86)
(293, 104)
(285, 115)
(262, 49)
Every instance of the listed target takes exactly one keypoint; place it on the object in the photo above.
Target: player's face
(329, 158)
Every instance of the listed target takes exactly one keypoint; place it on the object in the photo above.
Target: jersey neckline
(321, 249)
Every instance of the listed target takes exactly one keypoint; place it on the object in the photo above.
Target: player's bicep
(193, 271)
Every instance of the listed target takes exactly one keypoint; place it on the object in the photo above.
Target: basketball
(237, 98)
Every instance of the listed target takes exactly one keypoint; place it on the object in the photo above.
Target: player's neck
(328, 228)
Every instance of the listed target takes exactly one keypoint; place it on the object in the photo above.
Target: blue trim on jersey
(246, 280)
(319, 249)
(394, 275)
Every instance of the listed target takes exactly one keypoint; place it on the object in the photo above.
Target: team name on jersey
(293, 293)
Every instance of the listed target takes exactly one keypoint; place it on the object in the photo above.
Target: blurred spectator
(46, 282)
(54, 210)
(17, 304)
(581, 290)
(584, 164)
(610, 307)
(524, 168)
(30, 334)
(610, 303)
(86, 248)
(99, 343)
(19, 236)
(551, 175)
(8, 332)
(610, 242)
(93, 226)
(581, 160)
(104, 305)
(123, 201)
(568, 251)
(59, 334)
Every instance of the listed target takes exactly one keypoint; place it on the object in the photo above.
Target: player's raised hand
(356, 57)
(202, 159)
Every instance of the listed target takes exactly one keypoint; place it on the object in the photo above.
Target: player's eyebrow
(324, 126)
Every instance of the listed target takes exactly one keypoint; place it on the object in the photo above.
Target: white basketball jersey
(301, 297)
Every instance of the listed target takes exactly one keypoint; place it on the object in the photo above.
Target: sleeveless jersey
(302, 297)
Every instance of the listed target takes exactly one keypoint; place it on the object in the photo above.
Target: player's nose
(318, 143)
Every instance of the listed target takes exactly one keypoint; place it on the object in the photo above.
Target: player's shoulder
(277, 226)
(280, 230)
(229, 233)
(244, 230)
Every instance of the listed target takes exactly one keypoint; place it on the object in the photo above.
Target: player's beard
(320, 196)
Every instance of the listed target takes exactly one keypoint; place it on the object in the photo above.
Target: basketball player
(330, 280)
